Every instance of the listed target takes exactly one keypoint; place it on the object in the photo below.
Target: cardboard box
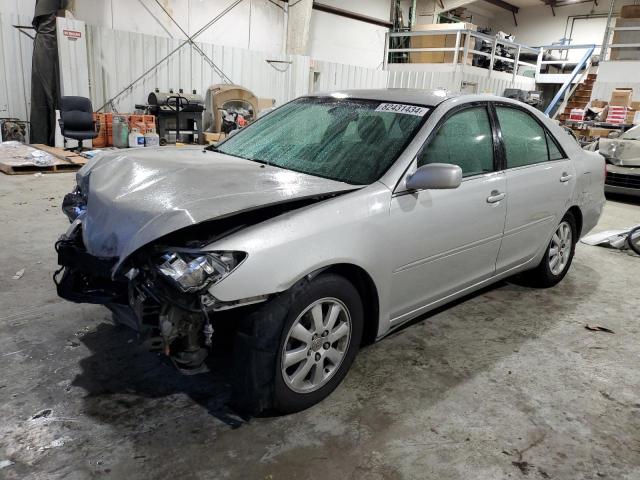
(577, 114)
(213, 137)
(616, 115)
(599, 132)
(621, 97)
(624, 37)
(440, 41)
(635, 105)
(598, 103)
(630, 11)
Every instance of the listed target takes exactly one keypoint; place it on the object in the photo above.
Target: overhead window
(465, 140)
(525, 141)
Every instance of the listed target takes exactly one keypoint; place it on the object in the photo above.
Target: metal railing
(463, 47)
(548, 56)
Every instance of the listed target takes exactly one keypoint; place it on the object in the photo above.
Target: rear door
(540, 180)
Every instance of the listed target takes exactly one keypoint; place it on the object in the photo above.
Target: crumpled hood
(141, 195)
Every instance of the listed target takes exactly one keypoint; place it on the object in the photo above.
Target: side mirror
(435, 176)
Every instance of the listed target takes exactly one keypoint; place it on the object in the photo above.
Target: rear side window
(554, 151)
(464, 139)
(525, 141)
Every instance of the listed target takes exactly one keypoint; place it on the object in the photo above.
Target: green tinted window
(524, 139)
(352, 141)
(554, 150)
(465, 140)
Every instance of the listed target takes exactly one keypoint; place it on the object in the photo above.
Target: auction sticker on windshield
(401, 108)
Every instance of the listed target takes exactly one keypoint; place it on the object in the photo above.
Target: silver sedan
(329, 222)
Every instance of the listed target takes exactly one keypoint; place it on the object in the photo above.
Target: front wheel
(320, 339)
(558, 256)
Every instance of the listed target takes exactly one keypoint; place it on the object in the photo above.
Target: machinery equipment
(531, 97)
(178, 115)
(229, 107)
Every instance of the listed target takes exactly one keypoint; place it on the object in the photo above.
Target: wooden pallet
(59, 153)
(27, 168)
(65, 162)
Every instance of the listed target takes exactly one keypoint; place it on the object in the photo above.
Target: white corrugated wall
(16, 50)
(117, 58)
(452, 80)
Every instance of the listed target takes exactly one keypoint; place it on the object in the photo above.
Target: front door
(447, 240)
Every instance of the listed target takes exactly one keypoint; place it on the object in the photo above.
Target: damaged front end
(162, 293)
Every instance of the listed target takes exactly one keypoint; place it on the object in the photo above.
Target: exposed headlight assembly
(74, 204)
(192, 272)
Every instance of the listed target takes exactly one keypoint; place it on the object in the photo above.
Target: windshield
(352, 141)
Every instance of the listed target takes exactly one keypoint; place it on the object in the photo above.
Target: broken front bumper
(83, 278)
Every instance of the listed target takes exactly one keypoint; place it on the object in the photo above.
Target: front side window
(525, 141)
(352, 141)
(465, 140)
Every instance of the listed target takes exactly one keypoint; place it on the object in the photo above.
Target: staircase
(580, 97)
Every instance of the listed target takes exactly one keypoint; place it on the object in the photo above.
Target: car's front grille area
(622, 180)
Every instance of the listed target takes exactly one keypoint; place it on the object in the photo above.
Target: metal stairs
(580, 97)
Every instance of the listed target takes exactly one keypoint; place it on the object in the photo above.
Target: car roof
(428, 98)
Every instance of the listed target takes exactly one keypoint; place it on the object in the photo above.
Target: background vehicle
(332, 220)
(623, 162)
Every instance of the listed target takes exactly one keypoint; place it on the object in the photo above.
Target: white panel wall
(16, 51)
(452, 79)
(612, 75)
(253, 24)
(117, 58)
(537, 25)
(18, 7)
(337, 39)
(330, 76)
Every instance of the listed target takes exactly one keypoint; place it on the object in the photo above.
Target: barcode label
(401, 108)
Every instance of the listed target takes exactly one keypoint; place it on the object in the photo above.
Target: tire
(258, 383)
(547, 273)
(330, 351)
(633, 240)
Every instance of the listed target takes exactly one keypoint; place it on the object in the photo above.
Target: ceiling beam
(502, 4)
(321, 7)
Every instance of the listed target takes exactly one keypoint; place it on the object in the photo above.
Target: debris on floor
(609, 238)
(42, 414)
(18, 274)
(598, 328)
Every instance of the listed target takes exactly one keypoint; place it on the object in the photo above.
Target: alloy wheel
(560, 248)
(315, 345)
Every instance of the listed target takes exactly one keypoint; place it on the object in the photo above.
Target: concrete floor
(506, 384)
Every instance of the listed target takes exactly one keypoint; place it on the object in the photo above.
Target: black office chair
(76, 120)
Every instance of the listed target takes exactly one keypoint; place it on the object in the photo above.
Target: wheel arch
(577, 214)
(368, 291)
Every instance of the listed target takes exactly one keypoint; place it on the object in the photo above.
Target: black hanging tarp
(45, 73)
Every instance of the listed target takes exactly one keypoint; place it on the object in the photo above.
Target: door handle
(495, 196)
(565, 177)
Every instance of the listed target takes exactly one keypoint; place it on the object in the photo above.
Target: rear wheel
(558, 256)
